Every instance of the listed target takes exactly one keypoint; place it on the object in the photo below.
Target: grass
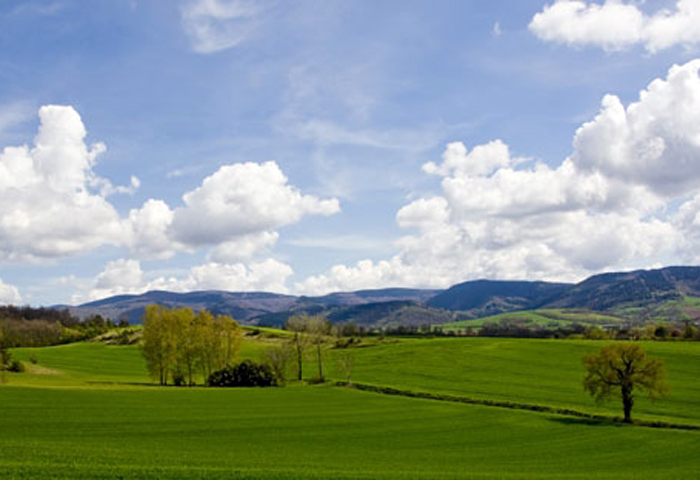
(547, 318)
(90, 363)
(673, 311)
(547, 372)
(93, 417)
(313, 432)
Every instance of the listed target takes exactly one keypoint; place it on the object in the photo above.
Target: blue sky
(313, 146)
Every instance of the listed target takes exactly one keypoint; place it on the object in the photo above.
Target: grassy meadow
(89, 410)
(545, 318)
(533, 371)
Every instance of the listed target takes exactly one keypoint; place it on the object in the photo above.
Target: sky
(311, 146)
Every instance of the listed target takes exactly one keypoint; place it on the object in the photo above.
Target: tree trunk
(627, 402)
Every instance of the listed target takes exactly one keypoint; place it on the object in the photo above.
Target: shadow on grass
(591, 422)
(134, 384)
(575, 417)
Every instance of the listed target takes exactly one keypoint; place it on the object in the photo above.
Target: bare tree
(299, 325)
(278, 357)
(345, 361)
(319, 328)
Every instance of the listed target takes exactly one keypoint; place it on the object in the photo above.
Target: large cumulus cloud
(56, 205)
(611, 204)
(240, 200)
(53, 202)
(236, 211)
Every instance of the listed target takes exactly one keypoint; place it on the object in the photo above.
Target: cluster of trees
(64, 317)
(7, 363)
(40, 327)
(33, 327)
(179, 345)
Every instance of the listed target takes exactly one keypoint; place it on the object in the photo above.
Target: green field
(522, 370)
(89, 411)
(544, 318)
(677, 310)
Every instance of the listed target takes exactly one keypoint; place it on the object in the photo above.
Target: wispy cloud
(349, 243)
(497, 32)
(216, 25)
(15, 113)
(38, 8)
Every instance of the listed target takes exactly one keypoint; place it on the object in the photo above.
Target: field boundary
(443, 397)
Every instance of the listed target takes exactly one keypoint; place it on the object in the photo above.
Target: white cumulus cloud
(125, 276)
(610, 205)
(269, 275)
(243, 247)
(243, 199)
(236, 211)
(48, 193)
(654, 141)
(616, 25)
(9, 295)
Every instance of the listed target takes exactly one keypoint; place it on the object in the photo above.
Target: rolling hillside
(489, 297)
(666, 294)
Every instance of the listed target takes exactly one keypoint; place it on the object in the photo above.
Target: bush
(245, 374)
(15, 366)
(179, 379)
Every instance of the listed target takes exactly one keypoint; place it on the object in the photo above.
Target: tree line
(41, 327)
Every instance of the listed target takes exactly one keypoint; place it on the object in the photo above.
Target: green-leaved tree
(618, 370)
(177, 343)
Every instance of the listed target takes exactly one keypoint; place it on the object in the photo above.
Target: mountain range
(608, 292)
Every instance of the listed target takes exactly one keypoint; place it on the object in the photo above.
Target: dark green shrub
(246, 374)
(661, 332)
(15, 366)
(179, 379)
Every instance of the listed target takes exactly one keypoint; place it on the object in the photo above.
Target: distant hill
(240, 305)
(246, 307)
(639, 288)
(482, 298)
(361, 297)
(649, 293)
(391, 313)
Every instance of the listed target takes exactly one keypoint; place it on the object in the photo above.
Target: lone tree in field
(620, 368)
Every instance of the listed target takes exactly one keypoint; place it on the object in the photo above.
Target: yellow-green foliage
(178, 344)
